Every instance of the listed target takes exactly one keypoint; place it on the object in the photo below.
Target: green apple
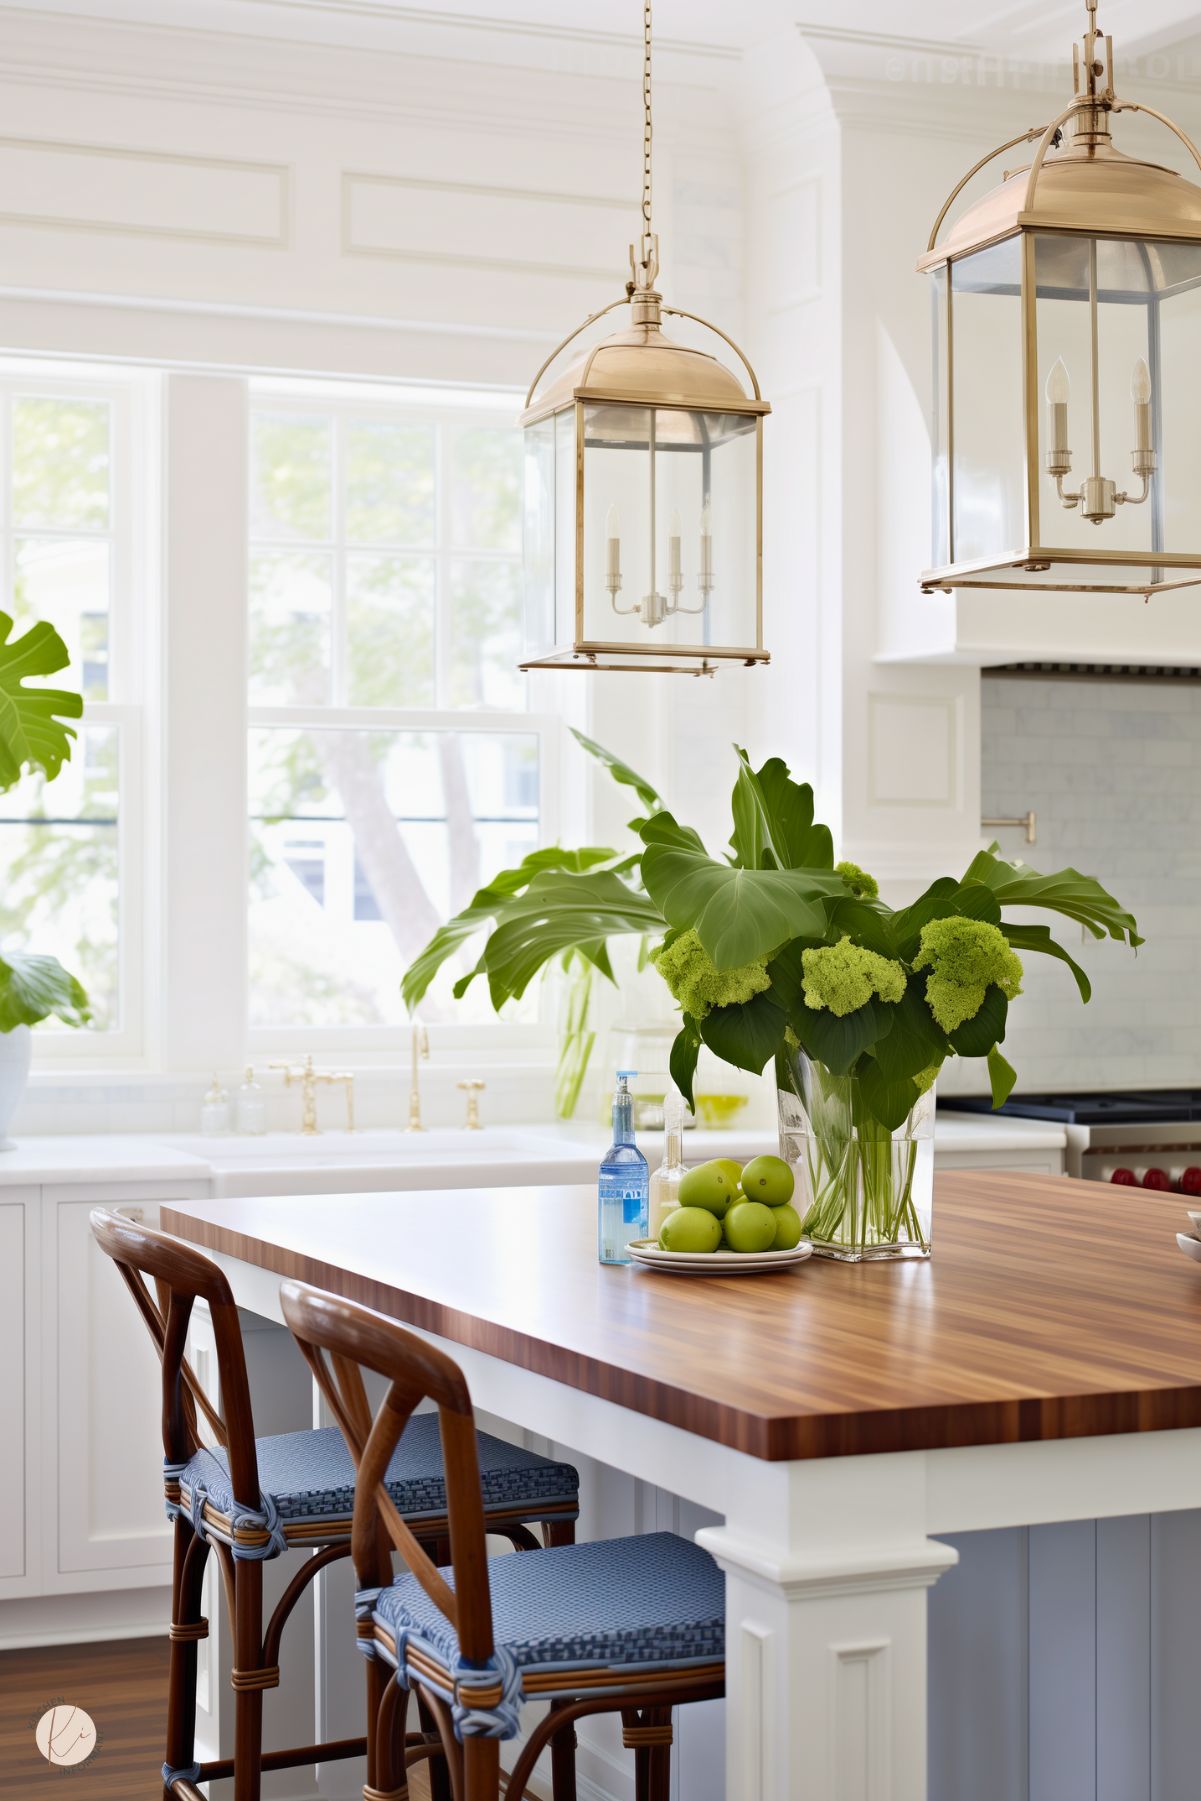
(690, 1229)
(768, 1179)
(732, 1168)
(709, 1185)
(750, 1227)
(789, 1231)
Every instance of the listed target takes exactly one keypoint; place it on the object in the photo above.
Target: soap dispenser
(665, 1182)
(623, 1186)
(214, 1111)
(251, 1107)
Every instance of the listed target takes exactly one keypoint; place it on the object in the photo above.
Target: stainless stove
(1116, 1136)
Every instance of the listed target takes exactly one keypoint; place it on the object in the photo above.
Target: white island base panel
(1044, 1681)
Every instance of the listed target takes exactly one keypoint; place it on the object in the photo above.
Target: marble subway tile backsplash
(1113, 770)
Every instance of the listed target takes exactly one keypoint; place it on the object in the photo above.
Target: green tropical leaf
(32, 735)
(740, 915)
(915, 1040)
(621, 772)
(977, 1036)
(487, 904)
(34, 987)
(748, 1034)
(773, 820)
(685, 1050)
(560, 911)
(1079, 897)
(1002, 1076)
(891, 1098)
(944, 899)
(867, 922)
(1038, 938)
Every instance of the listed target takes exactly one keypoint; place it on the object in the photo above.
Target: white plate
(647, 1252)
(1189, 1245)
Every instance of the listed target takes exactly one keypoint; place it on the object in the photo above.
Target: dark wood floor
(123, 1686)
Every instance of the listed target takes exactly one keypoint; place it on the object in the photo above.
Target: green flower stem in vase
(863, 1191)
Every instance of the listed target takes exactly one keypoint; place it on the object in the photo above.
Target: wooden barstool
(633, 1626)
(250, 1500)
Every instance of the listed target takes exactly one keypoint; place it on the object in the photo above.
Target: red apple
(1126, 1176)
(1190, 1181)
(1157, 1178)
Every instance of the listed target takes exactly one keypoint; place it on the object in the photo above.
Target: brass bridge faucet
(420, 1048)
(309, 1078)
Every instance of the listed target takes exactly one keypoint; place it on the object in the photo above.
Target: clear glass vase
(863, 1192)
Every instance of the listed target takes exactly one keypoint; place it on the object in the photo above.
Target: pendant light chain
(648, 254)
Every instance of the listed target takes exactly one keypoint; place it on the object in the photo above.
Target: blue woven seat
(629, 1606)
(307, 1481)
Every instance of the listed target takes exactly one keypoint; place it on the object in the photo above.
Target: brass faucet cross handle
(309, 1078)
(473, 1090)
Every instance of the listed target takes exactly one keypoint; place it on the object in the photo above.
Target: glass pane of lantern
(538, 501)
(1127, 306)
(987, 412)
(1176, 427)
(670, 528)
(940, 447)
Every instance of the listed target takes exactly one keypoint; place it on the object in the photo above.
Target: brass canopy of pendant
(643, 532)
(1067, 326)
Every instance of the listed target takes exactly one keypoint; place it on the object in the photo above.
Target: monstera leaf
(740, 915)
(773, 820)
(621, 772)
(1079, 897)
(32, 988)
(560, 912)
(32, 733)
(489, 904)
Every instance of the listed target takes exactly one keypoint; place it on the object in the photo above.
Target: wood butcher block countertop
(1051, 1308)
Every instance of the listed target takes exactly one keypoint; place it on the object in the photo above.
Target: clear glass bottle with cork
(665, 1181)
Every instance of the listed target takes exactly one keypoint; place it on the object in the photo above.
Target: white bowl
(1189, 1245)
(648, 1253)
(1196, 1219)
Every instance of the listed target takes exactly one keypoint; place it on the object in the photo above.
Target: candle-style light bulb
(612, 551)
(706, 576)
(1058, 457)
(1144, 459)
(1059, 388)
(675, 577)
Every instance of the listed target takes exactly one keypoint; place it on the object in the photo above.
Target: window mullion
(339, 628)
(442, 530)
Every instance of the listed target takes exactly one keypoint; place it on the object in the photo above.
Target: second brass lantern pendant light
(1067, 314)
(644, 490)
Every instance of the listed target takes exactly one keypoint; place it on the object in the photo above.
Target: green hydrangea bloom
(844, 976)
(965, 958)
(698, 984)
(861, 885)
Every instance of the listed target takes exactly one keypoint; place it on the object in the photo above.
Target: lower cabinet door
(14, 1385)
(108, 1447)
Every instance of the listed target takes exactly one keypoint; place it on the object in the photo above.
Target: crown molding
(491, 77)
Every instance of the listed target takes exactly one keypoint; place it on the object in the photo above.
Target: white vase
(16, 1048)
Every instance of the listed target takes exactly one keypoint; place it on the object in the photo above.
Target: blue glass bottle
(623, 1189)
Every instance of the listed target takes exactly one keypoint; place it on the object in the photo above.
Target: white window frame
(131, 709)
(349, 401)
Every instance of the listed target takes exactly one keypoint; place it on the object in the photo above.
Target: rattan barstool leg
(248, 1702)
(562, 1763)
(186, 1576)
(481, 1770)
(440, 1784)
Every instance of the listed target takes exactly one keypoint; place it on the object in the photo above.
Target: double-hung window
(392, 764)
(77, 481)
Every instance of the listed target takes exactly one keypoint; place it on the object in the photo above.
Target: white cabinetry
(16, 1420)
(104, 1447)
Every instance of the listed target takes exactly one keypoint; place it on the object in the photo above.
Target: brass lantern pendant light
(644, 490)
(1067, 318)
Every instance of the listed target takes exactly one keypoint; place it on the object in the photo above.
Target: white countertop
(556, 1152)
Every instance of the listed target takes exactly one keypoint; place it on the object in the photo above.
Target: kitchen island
(1044, 1365)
